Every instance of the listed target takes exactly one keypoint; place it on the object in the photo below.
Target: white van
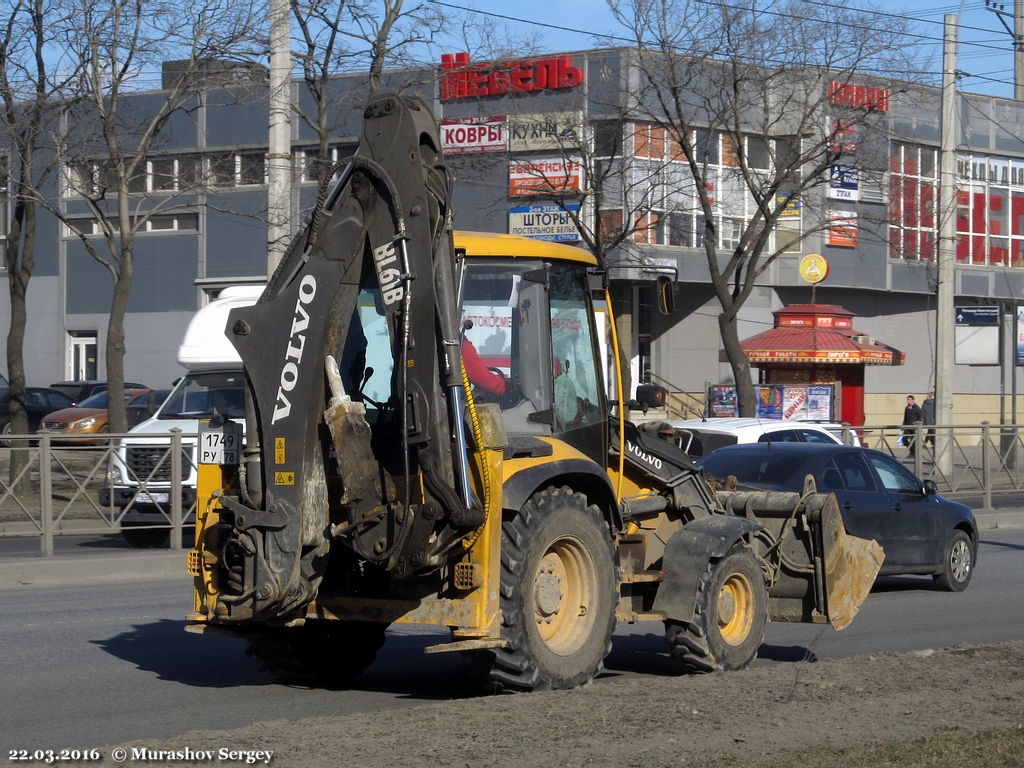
(139, 477)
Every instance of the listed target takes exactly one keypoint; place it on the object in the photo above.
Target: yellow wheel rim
(736, 609)
(565, 587)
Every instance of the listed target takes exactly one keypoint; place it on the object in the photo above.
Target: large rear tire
(729, 619)
(329, 654)
(958, 563)
(558, 594)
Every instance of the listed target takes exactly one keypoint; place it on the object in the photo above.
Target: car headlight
(114, 475)
(85, 423)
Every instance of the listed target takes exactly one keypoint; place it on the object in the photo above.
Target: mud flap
(850, 566)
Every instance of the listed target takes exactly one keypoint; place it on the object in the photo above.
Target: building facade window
(174, 174)
(913, 198)
(184, 221)
(990, 211)
(312, 167)
(664, 201)
(237, 169)
(989, 207)
(180, 173)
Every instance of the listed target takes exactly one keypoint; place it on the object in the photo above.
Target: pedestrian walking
(928, 415)
(911, 415)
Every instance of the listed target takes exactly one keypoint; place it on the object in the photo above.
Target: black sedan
(39, 401)
(920, 531)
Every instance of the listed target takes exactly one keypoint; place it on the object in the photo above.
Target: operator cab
(529, 322)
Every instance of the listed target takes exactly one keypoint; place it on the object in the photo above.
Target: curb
(991, 519)
(61, 527)
(81, 571)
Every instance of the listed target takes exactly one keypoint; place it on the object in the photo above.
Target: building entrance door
(82, 355)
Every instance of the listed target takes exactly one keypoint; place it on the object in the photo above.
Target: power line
(987, 46)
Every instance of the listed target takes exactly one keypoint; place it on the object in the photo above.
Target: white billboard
(474, 134)
(544, 222)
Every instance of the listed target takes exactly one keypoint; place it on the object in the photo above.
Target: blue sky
(985, 55)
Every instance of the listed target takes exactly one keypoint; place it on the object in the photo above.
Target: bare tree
(32, 102)
(748, 94)
(602, 191)
(105, 155)
(349, 36)
(605, 193)
(337, 37)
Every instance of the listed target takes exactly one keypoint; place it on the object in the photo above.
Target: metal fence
(57, 489)
(50, 488)
(980, 459)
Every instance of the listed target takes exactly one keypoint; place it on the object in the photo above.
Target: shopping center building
(501, 134)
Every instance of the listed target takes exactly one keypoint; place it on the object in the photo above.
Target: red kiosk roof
(817, 333)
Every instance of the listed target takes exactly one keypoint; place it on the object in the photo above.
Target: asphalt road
(89, 666)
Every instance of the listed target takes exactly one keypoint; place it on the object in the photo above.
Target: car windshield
(759, 467)
(100, 400)
(198, 395)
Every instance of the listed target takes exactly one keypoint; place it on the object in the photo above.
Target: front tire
(729, 618)
(558, 594)
(957, 565)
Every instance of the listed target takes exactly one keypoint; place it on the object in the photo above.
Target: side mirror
(666, 295)
(930, 488)
(651, 396)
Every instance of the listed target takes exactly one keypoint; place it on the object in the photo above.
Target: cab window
(574, 363)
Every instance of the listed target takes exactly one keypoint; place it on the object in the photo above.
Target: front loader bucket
(817, 572)
(851, 565)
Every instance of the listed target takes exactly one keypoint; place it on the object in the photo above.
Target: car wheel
(5, 431)
(957, 564)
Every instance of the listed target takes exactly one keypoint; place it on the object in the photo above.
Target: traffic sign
(977, 315)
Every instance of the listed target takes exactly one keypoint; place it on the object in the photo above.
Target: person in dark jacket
(911, 415)
(928, 414)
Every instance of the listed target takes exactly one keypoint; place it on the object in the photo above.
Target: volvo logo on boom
(296, 346)
(635, 449)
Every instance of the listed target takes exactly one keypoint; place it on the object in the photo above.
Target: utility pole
(279, 157)
(1017, 33)
(944, 321)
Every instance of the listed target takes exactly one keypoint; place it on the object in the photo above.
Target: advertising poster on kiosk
(794, 402)
(724, 402)
(777, 401)
(769, 401)
(819, 403)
